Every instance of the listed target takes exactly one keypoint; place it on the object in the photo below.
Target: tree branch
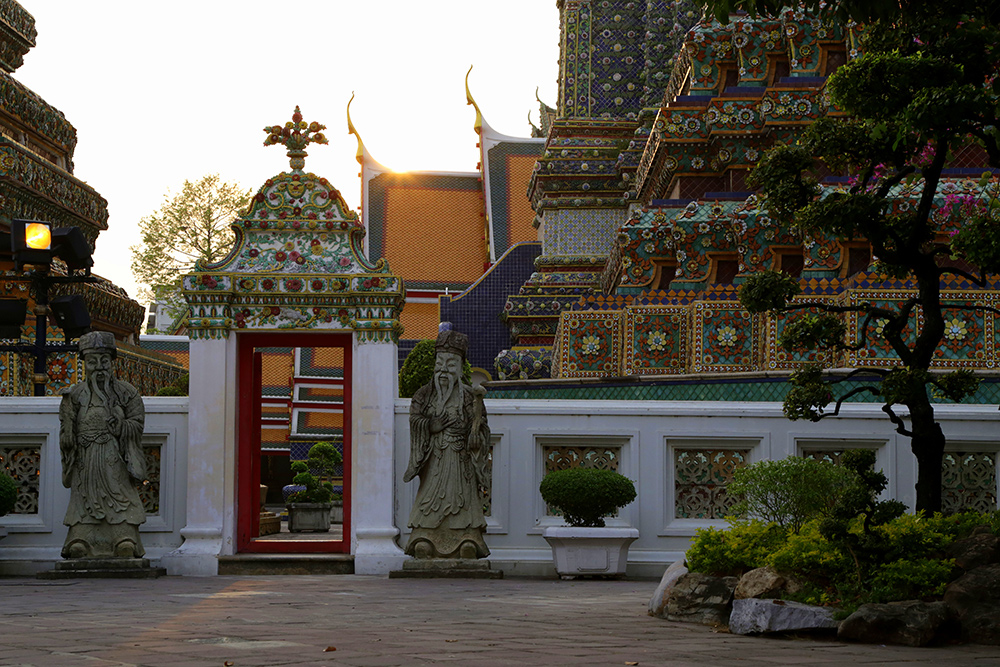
(897, 420)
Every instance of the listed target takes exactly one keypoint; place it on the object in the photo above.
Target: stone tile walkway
(375, 621)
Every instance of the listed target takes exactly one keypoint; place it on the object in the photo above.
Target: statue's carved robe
(101, 467)
(453, 468)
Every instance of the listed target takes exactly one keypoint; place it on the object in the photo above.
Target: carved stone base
(446, 568)
(103, 568)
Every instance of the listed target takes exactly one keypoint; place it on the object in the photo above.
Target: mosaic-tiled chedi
(669, 303)
(37, 183)
(615, 56)
(297, 262)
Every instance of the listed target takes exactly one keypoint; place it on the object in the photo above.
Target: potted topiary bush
(309, 508)
(585, 497)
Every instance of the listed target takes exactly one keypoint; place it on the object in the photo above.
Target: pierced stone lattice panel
(969, 482)
(149, 492)
(700, 480)
(828, 455)
(24, 465)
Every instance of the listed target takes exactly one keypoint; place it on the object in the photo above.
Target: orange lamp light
(37, 236)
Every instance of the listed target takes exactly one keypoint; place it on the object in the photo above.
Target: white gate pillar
(374, 389)
(211, 454)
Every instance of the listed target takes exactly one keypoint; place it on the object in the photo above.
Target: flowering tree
(191, 225)
(924, 90)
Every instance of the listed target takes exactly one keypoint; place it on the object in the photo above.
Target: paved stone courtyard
(373, 621)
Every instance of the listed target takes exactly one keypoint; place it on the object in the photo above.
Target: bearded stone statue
(449, 439)
(100, 442)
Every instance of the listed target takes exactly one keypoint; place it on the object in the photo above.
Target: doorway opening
(294, 392)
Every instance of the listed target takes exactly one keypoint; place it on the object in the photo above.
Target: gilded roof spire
(295, 136)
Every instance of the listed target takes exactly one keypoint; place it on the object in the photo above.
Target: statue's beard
(103, 386)
(444, 387)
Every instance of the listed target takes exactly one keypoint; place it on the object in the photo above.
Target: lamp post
(37, 243)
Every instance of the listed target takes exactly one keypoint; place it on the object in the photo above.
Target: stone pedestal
(270, 523)
(103, 568)
(446, 568)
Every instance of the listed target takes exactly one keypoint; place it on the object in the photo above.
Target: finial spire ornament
(295, 136)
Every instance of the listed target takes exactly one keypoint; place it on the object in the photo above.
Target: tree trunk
(927, 444)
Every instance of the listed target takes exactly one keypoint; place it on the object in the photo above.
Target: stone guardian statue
(100, 442)
(449, 440)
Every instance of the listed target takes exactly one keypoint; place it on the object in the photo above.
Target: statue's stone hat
(98, 341)
(452, 341)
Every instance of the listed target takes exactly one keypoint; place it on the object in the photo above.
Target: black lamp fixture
(35, 242)
(71, 315)
(12, 316)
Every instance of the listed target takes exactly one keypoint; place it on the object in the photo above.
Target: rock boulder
(910, 623)
(975, 599)
(701, 598)
(765, 582)
(658, 603)
(755, 616)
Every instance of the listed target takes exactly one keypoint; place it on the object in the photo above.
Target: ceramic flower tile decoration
(298, 261)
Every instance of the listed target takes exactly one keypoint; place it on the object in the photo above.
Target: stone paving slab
(380, 622)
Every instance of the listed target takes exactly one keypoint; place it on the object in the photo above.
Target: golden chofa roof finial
(295, 136)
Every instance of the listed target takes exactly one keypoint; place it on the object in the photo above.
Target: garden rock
(979, 549)
(658, 603)
(910, 623)
(765, 582)
(754, 616)
(701, 598)
(975, 599)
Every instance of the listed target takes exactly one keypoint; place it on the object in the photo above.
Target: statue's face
(97, 365)
(447, 367)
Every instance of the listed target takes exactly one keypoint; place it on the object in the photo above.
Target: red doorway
(251, 423)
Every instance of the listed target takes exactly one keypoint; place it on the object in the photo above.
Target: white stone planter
(590, 551)
(337, 513)
(308, 516)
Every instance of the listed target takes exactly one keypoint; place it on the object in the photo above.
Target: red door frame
(248, 418)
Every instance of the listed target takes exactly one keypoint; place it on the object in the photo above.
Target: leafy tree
(925, 87)
(191, 225)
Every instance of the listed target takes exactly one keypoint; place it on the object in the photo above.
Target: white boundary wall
(647, 433)
(34, 542)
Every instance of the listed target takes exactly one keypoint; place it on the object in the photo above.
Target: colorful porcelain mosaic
(589, 345)
(297, 264)
(656, 340)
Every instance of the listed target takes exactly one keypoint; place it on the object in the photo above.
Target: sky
(163, 92)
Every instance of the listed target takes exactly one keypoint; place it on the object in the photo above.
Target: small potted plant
(586, 546)
(309, 507)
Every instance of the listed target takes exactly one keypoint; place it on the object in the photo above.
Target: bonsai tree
(585, 496)
(921, 94)
(418, 369)
(8, 494)
(313, 473)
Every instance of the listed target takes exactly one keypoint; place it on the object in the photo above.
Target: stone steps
(275, 564)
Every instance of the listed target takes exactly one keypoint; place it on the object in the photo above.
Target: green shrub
(743, 547)
(809, 554)
(418, 369)
(180, 387)
(910, 579)
(8, 493)
(585, 496)
(788, 492)
(323, 459)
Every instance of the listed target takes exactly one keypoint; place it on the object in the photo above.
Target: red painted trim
(248, 421)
